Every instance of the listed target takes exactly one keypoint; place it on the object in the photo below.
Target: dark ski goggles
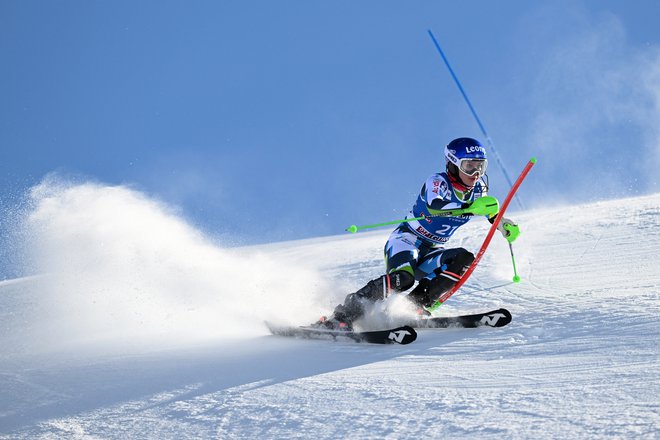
(473, 166)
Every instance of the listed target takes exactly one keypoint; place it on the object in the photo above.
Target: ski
(399, 335)
(494, 318)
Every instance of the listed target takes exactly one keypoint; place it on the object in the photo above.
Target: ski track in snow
(580, 359)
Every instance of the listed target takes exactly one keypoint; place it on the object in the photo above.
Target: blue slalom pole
(476, 117)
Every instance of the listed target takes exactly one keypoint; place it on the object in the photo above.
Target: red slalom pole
(489, 237)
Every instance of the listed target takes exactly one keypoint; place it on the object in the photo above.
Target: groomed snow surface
(140, 327)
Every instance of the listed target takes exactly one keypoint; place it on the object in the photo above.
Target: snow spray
(122, 268)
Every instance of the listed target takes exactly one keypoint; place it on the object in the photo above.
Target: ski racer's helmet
(466, 154)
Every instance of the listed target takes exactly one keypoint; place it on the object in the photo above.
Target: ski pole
(449, 213)
(487, 205)
(516, 278)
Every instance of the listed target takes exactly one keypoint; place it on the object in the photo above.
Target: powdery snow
(119, 341)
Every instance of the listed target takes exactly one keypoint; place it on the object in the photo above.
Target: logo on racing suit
(440, 187)
(426, 234)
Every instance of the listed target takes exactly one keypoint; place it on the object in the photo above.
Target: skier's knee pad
(457, 263)
(400, 280)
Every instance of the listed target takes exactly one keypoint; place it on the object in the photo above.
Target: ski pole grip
(486, 205)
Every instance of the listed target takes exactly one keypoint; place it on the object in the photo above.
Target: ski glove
(509, 229)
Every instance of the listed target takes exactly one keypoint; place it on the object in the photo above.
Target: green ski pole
(516, 278)
(353, 228)
(487, 205)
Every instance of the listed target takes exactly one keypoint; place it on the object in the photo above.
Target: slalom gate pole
(488, 238)
(474, 114)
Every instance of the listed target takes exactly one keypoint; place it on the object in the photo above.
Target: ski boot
(353, 307)
(428, 290)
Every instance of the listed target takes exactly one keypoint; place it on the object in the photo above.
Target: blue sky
(273, 120)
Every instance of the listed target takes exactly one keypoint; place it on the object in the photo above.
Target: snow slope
(110, 344)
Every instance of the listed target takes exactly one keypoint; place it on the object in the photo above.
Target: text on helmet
(475, 149)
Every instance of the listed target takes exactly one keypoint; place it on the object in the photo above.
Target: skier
(415, 250)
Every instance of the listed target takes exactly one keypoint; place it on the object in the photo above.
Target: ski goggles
(473, 166)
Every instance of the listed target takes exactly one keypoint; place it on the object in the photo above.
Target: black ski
(400, 335)
(494, 318)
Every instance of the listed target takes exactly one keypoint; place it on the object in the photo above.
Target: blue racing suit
(415, 250)
(417, 247)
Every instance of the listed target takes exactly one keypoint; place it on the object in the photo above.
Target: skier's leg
(377, 289)
(401, 253)
(450, 264)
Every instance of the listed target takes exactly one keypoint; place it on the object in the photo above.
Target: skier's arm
(437, 196)
(437, 205)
